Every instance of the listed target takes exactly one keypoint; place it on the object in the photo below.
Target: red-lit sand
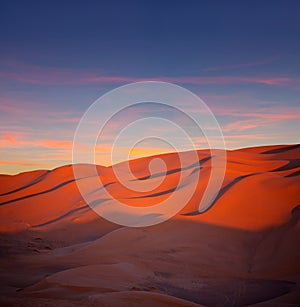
(56, 251)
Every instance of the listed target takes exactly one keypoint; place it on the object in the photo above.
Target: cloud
(247, 118)
(240, 125)
(10, 139)
(273, 113)
(8, 108)
(15, 140)
(14, 111)
(19, 163)
(40, 75)
(241, 65)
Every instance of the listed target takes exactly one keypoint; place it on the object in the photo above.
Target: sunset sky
(58, 57)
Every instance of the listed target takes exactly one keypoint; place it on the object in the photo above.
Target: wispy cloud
(282, 80)
(22, 110)
(13, 141)
(246, 118)
(18, 163)
(273, 113)
(241, 125)
(241, 65)
(40, 75)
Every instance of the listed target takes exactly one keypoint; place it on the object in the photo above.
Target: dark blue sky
(146, 38)
(57, 57)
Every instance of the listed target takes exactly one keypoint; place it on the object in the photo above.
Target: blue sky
(57, 57)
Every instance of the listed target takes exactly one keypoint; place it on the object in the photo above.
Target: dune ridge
(243, 251)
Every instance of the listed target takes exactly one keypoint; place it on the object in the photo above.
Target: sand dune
(245, 250)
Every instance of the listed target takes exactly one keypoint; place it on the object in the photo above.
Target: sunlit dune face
(260, 190)
(146, 176)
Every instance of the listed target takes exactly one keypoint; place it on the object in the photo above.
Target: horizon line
(296, 145)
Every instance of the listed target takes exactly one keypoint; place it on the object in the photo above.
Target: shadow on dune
(176, 170)
(297, 173)
(38, 193)
(56, 187)
(231, 292)
(197, 262)
(35, 181)
(281, 149)
(221, 193)
(293, 163)
(60, 218)
(70, 253)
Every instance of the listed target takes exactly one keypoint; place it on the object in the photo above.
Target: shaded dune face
(244, 250)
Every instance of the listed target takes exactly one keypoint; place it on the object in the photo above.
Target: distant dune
(245, 250)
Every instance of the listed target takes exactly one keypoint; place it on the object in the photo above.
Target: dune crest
(244, 250)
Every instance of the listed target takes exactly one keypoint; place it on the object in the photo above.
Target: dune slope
(245, 250)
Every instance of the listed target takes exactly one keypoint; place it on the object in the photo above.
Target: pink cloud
(22, 110)
(274, 113)
(240, 126)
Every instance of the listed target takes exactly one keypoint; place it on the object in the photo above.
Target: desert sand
(243, 251)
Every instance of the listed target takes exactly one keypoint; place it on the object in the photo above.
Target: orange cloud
(14, 140)
(19, 163)
(55, 144)
(240, 126)
(11, 139)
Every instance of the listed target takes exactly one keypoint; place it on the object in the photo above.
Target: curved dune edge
(270, 175)
(245, 250)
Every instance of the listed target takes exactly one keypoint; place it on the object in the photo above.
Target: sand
(245, 250)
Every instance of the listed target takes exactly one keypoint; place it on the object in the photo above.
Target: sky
(57, 57)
